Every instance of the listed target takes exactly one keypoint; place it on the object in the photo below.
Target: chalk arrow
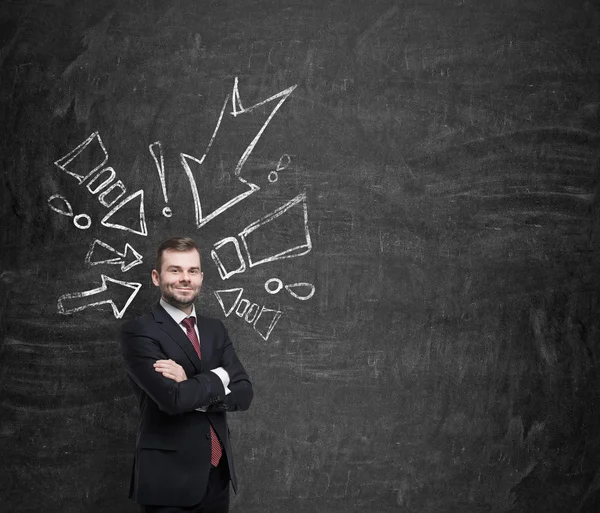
(129, 254)
(188, 161)
(77, 301)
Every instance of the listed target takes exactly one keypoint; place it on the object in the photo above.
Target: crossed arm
(166, 382)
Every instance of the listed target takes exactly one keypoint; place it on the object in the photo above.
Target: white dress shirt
(178, 316)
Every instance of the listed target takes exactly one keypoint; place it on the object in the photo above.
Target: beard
(179, 300)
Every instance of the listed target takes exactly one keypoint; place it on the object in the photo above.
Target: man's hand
(170, 369)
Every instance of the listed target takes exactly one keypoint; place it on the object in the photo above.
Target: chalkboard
(398, 208)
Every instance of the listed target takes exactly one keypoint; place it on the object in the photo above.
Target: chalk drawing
(263, 319)
(95, 189)
(228, 299)
(82, 221)
(140, 229)
(302, 290)
(117, 185)
(269, 285)
(111, 176)
(77, 301)
(203, 217)
(239, 109)
(61, 205)
(242, 306)
(157, 154)
(127, 259)
(296, 290)
(227, 254)
(100, 181)
(284, 162)
(295, 251)
(218, 260)
(64, 162)
(252, 313)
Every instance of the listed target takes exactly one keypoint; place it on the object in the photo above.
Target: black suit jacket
(172, 452)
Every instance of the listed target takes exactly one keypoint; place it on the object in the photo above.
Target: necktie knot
(189, 323)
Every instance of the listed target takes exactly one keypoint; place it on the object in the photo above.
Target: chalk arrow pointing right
(128, 255)
(105, 294)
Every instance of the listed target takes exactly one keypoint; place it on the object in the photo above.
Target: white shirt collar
(176, 313)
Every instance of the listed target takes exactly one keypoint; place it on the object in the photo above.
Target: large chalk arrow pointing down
(77, 301)
(128, 254)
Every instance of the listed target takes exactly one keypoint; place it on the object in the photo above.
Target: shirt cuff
(224, 377)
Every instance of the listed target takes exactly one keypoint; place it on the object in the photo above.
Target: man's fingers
(170, 369)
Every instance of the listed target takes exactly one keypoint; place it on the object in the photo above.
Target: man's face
(180, 278)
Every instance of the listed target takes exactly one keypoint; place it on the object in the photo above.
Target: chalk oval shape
(82, 221)
(60, 204)
(269, 285)
(302, 291)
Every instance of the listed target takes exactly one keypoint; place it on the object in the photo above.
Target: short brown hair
(175, 244)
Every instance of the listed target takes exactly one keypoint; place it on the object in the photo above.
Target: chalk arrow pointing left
(106, 294)
(115, 257)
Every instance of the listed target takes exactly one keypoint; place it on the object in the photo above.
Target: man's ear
(155, 277)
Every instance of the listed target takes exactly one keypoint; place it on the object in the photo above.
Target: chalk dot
(82, 221)
(273, 176)
(278, 285)
(167, 212)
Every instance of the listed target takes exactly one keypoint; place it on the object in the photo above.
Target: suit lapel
(170, 327)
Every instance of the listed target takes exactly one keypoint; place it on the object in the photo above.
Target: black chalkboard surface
(399, 213)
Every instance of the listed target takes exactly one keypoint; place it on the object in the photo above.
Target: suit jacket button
(208, 436)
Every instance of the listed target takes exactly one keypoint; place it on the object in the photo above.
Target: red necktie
(216, 451)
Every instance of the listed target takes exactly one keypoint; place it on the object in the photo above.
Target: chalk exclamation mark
(159, 159)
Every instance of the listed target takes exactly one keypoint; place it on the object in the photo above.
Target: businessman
(186, 375)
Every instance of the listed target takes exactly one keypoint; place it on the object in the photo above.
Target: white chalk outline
(160, 167)
(284, 95)
(69, 213)
(301, 284)
(217, 293)
(247, 317)
(288, 253)
(280, 167)
(120, 259)
(201, 219)
(247, 309)
(105, 193)
(113, 175)
(220, 266)
(62, 162)
(105, 280)
(276, 318)
(77, 221)
(246, 304)
(237, 109)
(279, 285)
(143, 228)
